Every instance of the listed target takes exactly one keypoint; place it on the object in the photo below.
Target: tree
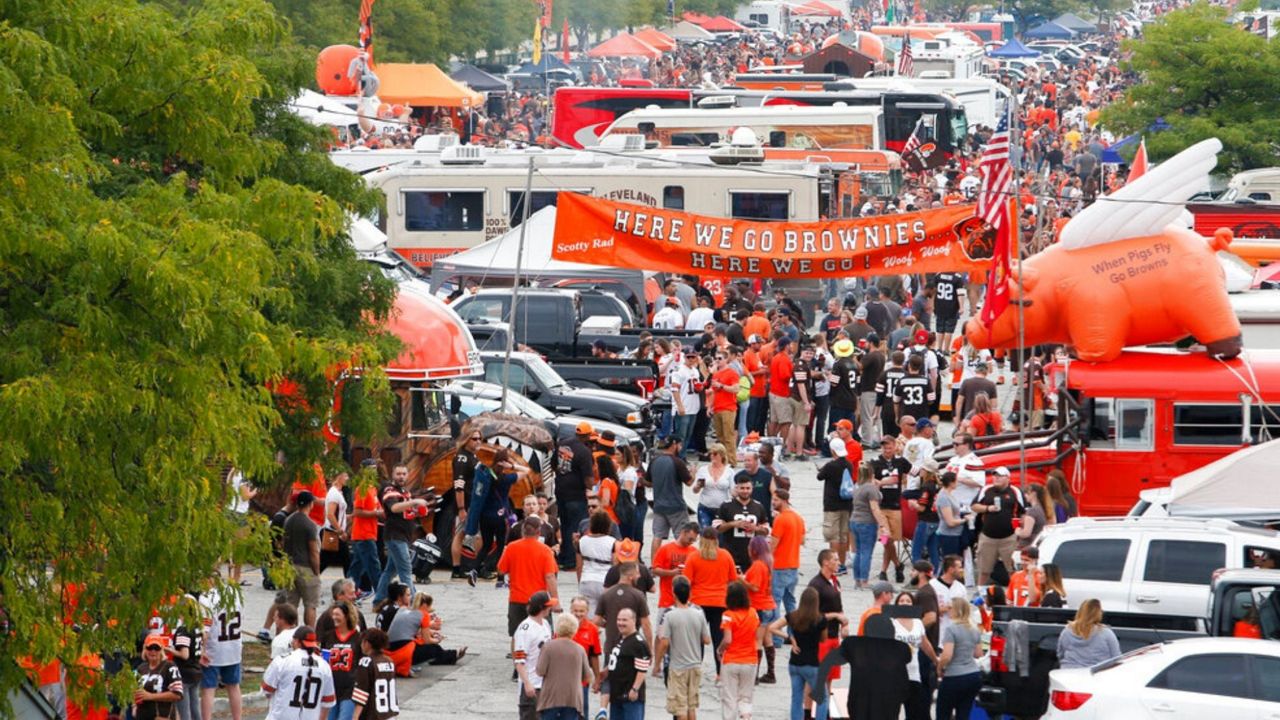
(1205, 78)
(1024, 11)
(174, 246)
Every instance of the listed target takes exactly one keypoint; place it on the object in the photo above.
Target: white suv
(1151, 565)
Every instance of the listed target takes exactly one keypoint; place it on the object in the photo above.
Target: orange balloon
(331, 70)
(1103, 298)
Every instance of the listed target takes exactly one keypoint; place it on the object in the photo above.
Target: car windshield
(490, 396)
(545, 374)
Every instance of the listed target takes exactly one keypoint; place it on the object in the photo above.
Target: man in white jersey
(222, 649)
(299, 684)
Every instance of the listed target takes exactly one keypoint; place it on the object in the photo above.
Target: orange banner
(603, 232)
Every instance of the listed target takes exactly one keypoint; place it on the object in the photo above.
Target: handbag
(625, 508)
(846, 486)
(330, 540)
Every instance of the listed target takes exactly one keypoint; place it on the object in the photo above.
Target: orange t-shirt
(1021, 589)
(670, 557)
(1246, 629)
(757, 324)
(317, 488)
(760, 576)
(526, 563)
(725, 400)
(780, 368)
(788, 527)
(742, 645)
(752, 360)
(612, 488)
(862, 621)
(366, 528)
(709, 579)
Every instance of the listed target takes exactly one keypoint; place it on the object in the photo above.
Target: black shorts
(946, 324)
(516, 614)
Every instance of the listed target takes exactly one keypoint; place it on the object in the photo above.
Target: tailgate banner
(603, 232)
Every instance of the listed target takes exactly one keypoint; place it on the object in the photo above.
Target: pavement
(480, 686)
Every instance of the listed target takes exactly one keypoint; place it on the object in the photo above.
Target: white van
(1151, 565)
(1260, 185)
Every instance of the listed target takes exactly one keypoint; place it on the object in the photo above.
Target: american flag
(996, 175)
(906, 66)
(914, 141)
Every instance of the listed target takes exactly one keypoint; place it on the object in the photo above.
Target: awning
(624, 45)
(656, 38)
(437, 344)
(1240, 486)
(422, 86)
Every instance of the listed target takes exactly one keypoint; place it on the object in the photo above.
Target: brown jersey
(376, 687)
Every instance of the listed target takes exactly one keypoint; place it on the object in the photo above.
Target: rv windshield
(959, 127)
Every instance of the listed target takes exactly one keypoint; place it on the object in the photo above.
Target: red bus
(582, 114)
(1147, 417)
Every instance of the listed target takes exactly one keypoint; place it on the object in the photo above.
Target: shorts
(945, 324)
(835, 526)
(306, 587)
(682, 690)
(990, 550)
(781, 410)
(516, 614)
(893, 518)
(668, 523)
(220, 675)
(800, 413)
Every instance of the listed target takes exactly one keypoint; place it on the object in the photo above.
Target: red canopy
(656, 38)
(696, 18)
(437, 344)
(625, 45)
(816, 8)
(721, 23)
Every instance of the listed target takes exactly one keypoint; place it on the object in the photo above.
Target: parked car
(1150, 565)
(1184, 680)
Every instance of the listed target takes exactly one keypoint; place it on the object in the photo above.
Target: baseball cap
(306, 637)
(922, 337)
(1001, 472)
(880, 587)
(598, 345)
(673, 302)
(838, 449)
(842, 348)
(873, 291)
(754, 339)
(845, 424)
(860, 314)
(626, 551)
(539, 602)
(584, 428)
(930, 466)
(155, 641)
(784, 312)
(873, 339)
(304, 497)
(923, 423)
(906, 312)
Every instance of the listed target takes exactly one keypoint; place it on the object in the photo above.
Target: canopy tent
(656, 38)
(1233, 487)
(423, 86)
(696, 18)
(1013, 49)
(1074, 22)
(498, 258)
(479, 80)
(1112, 154)
(624, 45)
(1051, 31)
(722, 24)
(815, 8)
(685, 30)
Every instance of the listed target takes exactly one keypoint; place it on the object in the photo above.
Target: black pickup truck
(548, 320)
(1234, 595)
(534, 378)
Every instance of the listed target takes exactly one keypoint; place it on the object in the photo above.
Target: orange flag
(1139, 164)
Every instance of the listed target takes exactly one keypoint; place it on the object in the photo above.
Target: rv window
(777, 138)
(673, 197)
(444, 210)
(694, 139)
(959, 126)
(759, 205)
(515, 201)
(1135, 420)
(1260, 196)
(1207, 424)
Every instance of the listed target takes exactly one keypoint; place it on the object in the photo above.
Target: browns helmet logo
(977, 239)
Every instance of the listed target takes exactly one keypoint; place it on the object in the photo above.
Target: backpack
(744, 388)
(625, 508)
(846, 486)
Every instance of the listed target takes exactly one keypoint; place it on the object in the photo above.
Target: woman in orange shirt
(607, 472)
(759, 580)
(738, 648)
(710, 570)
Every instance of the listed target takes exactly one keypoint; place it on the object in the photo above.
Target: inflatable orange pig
(1122, 274)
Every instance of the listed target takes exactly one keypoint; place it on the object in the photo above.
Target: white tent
(1244, 485)
(497, 258)
(685, 30)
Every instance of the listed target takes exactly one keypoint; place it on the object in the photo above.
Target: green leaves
(1206, 78)
(171, 244)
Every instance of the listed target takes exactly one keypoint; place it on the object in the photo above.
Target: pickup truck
(1234, 595)
(626, 375)
(549, 320)
(532, 377)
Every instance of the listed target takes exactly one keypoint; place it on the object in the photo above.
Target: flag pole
(1016, 249)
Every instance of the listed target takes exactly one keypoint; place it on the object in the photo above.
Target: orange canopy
(423, 86)
(656, 38)
(625, 45)
(816, 8)
(437, 344)
(721, 23)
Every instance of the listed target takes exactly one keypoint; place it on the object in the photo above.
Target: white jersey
(301, 686)
(699, 317)
(683, 381)
(530, 638)
(668, 318)
(968, 467)
(970, 358)
(335, 497)
(222, 643)
(917, 451)
(946, 595)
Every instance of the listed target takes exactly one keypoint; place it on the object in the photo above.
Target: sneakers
(471, 578)
(264, 636)
(883, 577)
(898, 577)
(842, 570)
(601, 714)
(458, 574)
(363, 595)
(502, 583)
(767, 679)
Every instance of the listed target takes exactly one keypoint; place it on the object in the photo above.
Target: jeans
(572, 513)
(188, 707)
(397, 564)
(559, 713)
(956, 695)
(948, 545)
(626, 710)
(343, 710)
(698, 436)
(926, 538)
(365, 563)
(864, 539)
(742, 418)
(635, 530)
(665, 423)
(706, 516)
(802, 675)
(784, 594)
(682, 429)
(757, 414)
